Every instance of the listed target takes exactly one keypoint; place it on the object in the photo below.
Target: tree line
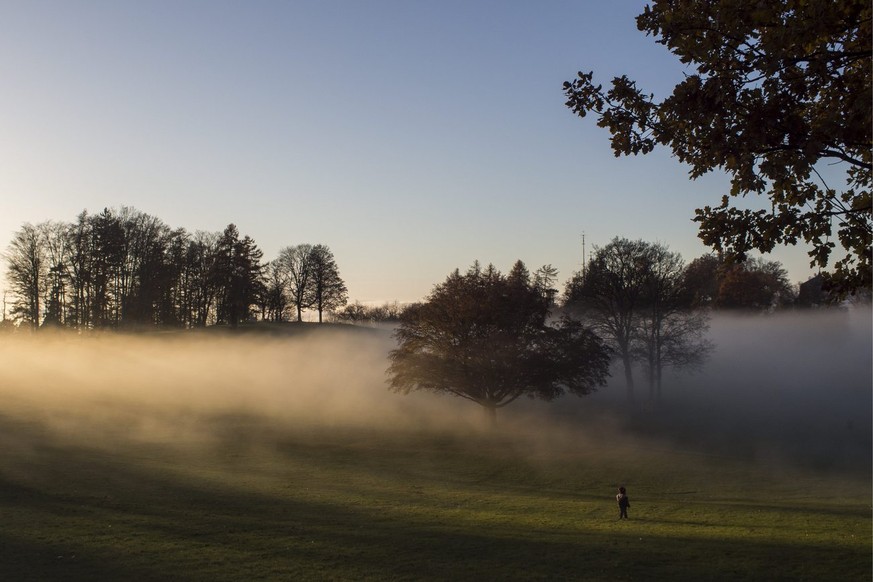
(127, 269)
(124, 268)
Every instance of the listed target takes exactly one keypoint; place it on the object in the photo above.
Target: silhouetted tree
(174, 306)
(609, 296)
(483, 337)
(236, 274)
(774, 90)
(545, 279)
(702, 276)
(79, 235)
(145, 274)
(26, 273)
(201, 264)
(328, 289)
(297, 265)
(274, 301)
(669, 333)
(107, 256)
(754, 284)
(357, 312)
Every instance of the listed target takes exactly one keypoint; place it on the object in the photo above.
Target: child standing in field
(623, 502)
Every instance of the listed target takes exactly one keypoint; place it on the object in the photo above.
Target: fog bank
(778, 388)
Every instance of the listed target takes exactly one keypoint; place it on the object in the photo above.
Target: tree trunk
(629, 378)
(490, 415)
(651, 375)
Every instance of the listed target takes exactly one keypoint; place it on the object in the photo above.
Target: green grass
(274, 503)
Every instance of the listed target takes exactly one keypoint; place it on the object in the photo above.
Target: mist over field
(779, 388)
(177, 387)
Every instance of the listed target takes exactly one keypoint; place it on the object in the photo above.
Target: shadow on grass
(145, 512)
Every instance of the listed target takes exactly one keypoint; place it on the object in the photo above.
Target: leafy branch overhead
(778, 91)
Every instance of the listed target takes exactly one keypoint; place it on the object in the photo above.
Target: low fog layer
(778, 388)
(172, 386)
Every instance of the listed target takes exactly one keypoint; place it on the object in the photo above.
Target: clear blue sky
(410, 137)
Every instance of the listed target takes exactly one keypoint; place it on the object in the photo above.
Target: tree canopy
(776, 90)
(483, 336)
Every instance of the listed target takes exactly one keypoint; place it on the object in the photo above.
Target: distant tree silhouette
(274, 302)
(107, 257)
(634, 294)
(482, 336)
(297, 264)
(236, 273)
(26, 273)
(545, 279)
(201, 263)
(702, 278)
(147, 275)
(357, 312)
(754, 284)
(609, 295)
(669, 333)
(328, 289)
(79, 236)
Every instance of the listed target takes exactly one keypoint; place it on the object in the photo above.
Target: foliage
(754, 284)
(634, 294)
(236, 274)
(328, 289)
(545, 279)
(483, 336)
(778, 89)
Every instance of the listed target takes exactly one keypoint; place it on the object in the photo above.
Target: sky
(411, 137)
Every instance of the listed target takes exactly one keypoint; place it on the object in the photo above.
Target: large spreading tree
(778, 95)
(484, 336)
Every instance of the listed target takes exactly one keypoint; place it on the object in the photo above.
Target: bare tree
(275, 299)
(610, 294)
(668, 332)
(297, 265)
(26, 272)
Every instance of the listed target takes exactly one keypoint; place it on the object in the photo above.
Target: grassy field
(263, 501)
